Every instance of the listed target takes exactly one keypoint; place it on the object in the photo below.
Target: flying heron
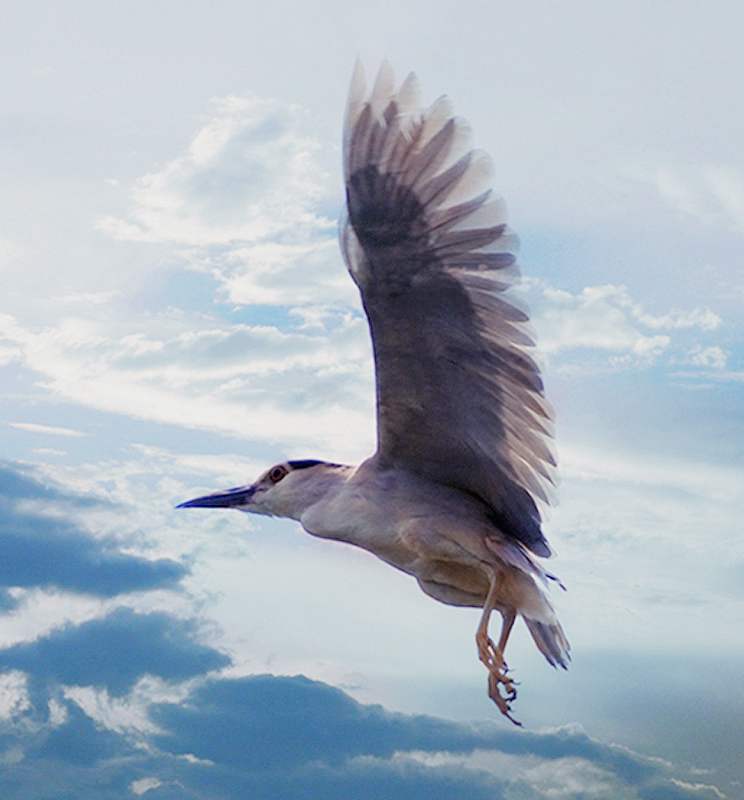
(464, 452)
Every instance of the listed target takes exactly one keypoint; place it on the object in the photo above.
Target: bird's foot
(503, 701)
(498, 677)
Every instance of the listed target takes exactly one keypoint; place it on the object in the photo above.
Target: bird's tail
(550, 641)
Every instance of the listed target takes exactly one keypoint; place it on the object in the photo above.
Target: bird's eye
(277, 473)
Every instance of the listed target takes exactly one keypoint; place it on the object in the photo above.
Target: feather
(459, 396)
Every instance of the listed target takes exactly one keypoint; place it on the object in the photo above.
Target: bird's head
(285, 490)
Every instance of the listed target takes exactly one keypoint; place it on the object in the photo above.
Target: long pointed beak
(231, 498)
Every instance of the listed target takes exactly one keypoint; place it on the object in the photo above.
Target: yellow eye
(277, 473)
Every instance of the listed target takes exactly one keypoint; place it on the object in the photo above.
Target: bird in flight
(464, 433)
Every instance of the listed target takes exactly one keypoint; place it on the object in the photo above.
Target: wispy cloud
(242, 204)
(49, 430)
(248, 380)
(711, 193)
(714, 357)
(248, 174)
(607, 319)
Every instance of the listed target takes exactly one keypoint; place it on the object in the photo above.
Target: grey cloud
(366, 780)
(79, 742)
(333, 746)
(49, 550)
(73, 759)
(290, 722)
(271, 737)
(293, 722)
(16, 484)
(115, 652)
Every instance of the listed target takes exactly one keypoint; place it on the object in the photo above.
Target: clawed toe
(502, 689)
(497, 679)
(492, 655)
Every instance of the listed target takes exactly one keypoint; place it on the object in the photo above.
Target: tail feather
(551, 641)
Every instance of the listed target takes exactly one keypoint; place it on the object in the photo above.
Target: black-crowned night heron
(464, 432)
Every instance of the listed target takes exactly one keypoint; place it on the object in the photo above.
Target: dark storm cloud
(51, 550)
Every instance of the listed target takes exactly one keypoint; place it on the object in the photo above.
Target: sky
(175, 318)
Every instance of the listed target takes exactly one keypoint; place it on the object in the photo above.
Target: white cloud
(301, 387)
(711, 193)
(698, 317)
(703, 790)
(607, 320)
(49, 430)
(598, 318)
(276, 273)
(537, 777)
(127, 714)
(143, 785)
(14, 696)
(714, 357)
(87, 298)
(248, 174)
(243, 204)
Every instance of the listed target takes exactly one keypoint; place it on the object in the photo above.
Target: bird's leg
(493, 655)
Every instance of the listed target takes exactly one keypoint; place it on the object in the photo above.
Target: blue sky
(175, 318)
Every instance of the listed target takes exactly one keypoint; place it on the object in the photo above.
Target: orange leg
(493, 655)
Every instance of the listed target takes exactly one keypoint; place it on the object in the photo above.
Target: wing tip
(540, 547)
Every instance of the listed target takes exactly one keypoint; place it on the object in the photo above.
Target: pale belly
(444, 552)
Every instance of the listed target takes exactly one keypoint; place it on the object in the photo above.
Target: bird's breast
(425, 534)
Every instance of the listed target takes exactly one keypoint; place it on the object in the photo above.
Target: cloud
(597, 318)
(606, 319)
(711, 193)
(242, 204)
(283, 723)
(115, 652)
(198, 372)
(700, 317)
(14, 696)
(42, 546)
(273, 737)
(280, 273)
(48, 430)
(714, 357)
(248, 174)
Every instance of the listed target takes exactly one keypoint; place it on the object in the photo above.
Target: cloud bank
(273, 737)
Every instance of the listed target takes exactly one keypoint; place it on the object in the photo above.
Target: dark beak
(229, 499)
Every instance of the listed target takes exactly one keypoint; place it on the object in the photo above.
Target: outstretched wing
(459, 398)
